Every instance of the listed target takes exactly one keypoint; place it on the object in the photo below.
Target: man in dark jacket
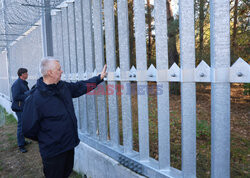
(19, 92)
(49, 117)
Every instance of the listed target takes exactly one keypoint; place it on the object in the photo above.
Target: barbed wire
(18, 16)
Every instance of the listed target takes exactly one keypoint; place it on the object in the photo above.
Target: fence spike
(202, 72)
(117, 72)
(240, 72)
(174, 73)
(132, 71)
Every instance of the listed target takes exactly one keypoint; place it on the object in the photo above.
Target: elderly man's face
(56, 72)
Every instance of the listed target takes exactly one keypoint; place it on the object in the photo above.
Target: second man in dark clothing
(19, 92)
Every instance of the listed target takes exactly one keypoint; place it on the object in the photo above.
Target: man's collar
(23, 80)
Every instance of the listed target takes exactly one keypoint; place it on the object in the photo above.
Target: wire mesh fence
(18, 16)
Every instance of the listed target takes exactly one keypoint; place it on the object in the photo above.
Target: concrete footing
(95, 164)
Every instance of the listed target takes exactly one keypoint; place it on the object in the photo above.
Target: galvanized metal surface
(82, 123)
(125, 64)
(188, 91)
(54, 33)
(142, 87)
(99, 60)
(72, 38)
(111, 65)
(149, 168)
(65, 35)
(59, 52)
(162, 100)
(220, 88)
(89, 56)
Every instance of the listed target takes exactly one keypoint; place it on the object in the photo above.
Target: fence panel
(86, 53)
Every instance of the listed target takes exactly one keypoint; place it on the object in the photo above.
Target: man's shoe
(22, 149)
(27, 142)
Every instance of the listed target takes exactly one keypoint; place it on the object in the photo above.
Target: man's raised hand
(104, 73)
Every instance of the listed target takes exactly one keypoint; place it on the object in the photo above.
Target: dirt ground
(240, 118)
(15, 164)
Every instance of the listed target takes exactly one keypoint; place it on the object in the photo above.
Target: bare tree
(201, 25)
(173, 55)
(149, 21)
(235, 24)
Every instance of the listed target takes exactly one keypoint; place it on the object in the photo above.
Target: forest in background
(239, 34)
(239, 29)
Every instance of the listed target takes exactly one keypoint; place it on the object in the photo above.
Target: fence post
(123, 33)
(65, 34)
(59, 37)
(188, 90)
(142, 86)
(81, 62)
(72, 51)
(90, 65)
(54, 32)
(47, 29)
(99, 60)
(9, 69)
(162, 99)
(220, 88)
(72, 38)
(111, 63)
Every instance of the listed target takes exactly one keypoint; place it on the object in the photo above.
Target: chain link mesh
(18, 16)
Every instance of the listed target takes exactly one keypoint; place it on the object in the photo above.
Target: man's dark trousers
(59, 166)
(20, 137)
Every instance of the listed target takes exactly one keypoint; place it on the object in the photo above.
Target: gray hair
(47, 64)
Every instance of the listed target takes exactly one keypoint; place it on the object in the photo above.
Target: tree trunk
(235, 24)
(131, 33)
(173, 55)
(149, 20)
(201, 25)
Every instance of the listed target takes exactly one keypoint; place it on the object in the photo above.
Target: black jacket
(19, 91)
(49, 115)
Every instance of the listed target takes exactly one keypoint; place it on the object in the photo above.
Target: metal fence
(78, 42)
(18, 16)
